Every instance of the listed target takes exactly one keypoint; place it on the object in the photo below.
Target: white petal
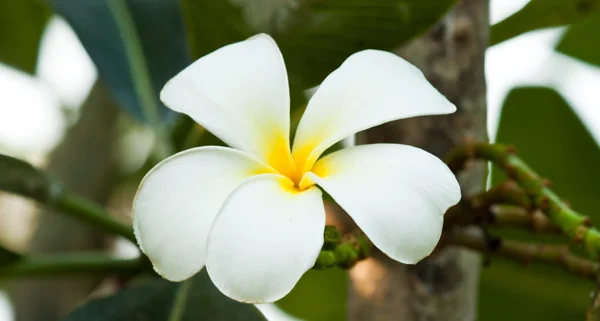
(264, 238)
(370, 88)
(177, 202)
(239, 93)
(397, 194)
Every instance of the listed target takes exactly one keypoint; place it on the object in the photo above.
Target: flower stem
(573, 224)
(477, 207)
(83, 264)
(514, 217)
(525, 253)
(92, 213)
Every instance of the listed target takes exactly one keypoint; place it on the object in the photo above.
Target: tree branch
(516, 217)
(573, 224)
(71, 264)
(89, 212)
(477, 207)
(558, 255)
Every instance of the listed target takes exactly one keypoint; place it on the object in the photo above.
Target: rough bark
(444, 286)
(84, 163)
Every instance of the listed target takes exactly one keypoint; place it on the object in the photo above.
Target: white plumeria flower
(253, 214)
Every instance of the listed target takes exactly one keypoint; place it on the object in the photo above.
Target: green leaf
(19, 177)
(581, 40)
(213, 24)
(314, 36)
(8, 256)
(193, 300)
(550, 138)
(512, 291)
(22, 23)
(320, 295)
(538, 14)
(158, 24)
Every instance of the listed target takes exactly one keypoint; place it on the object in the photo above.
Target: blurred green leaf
(320, 35)
(550, 138)
(314, 36)
(319, 296)
(22, 23)
(8, 256)
(160, 28)
(512, 291)
(213, 24)
(581, 40)
(19, 177)
(538, 14)
(160, 300)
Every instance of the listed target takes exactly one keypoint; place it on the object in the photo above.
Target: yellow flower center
(293, 167)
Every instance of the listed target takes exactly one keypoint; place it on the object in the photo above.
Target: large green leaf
(549, 136)
(581, 40)
(538, 14)
(22, 23)
(158, 24)
(314, 36)
(194, 300)
(319, 296)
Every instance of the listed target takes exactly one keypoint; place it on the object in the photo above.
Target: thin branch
(525, 253)
(515, 217)
(89, 212)
(72, 264)
(573, 224)
(475, 208)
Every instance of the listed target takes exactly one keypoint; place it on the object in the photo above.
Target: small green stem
(140, 73)
(558, 255)
(514, 217)
(477, 207)
(573, 224)
(90, 212)
(82, 264)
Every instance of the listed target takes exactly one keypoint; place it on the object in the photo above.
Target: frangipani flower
(253, 214)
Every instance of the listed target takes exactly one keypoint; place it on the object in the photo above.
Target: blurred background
(543, 96)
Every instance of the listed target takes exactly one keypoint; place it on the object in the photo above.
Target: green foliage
(314, 36)
(511, 291)
(22, 178)
(158, 24)
(160, 300)
(22, 23)
(213, 24)
(551, 139)
(581, 40)
(319, 296)
(539, 14)
(8, 256)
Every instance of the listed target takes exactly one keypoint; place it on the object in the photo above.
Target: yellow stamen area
(292, 167)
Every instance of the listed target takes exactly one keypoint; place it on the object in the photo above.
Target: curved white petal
(239, 93)
(177, 202)
(265, 237)
(370, 88)
(397, 194)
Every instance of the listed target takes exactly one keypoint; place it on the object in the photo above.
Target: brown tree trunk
(444, 286)
(84, 163)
